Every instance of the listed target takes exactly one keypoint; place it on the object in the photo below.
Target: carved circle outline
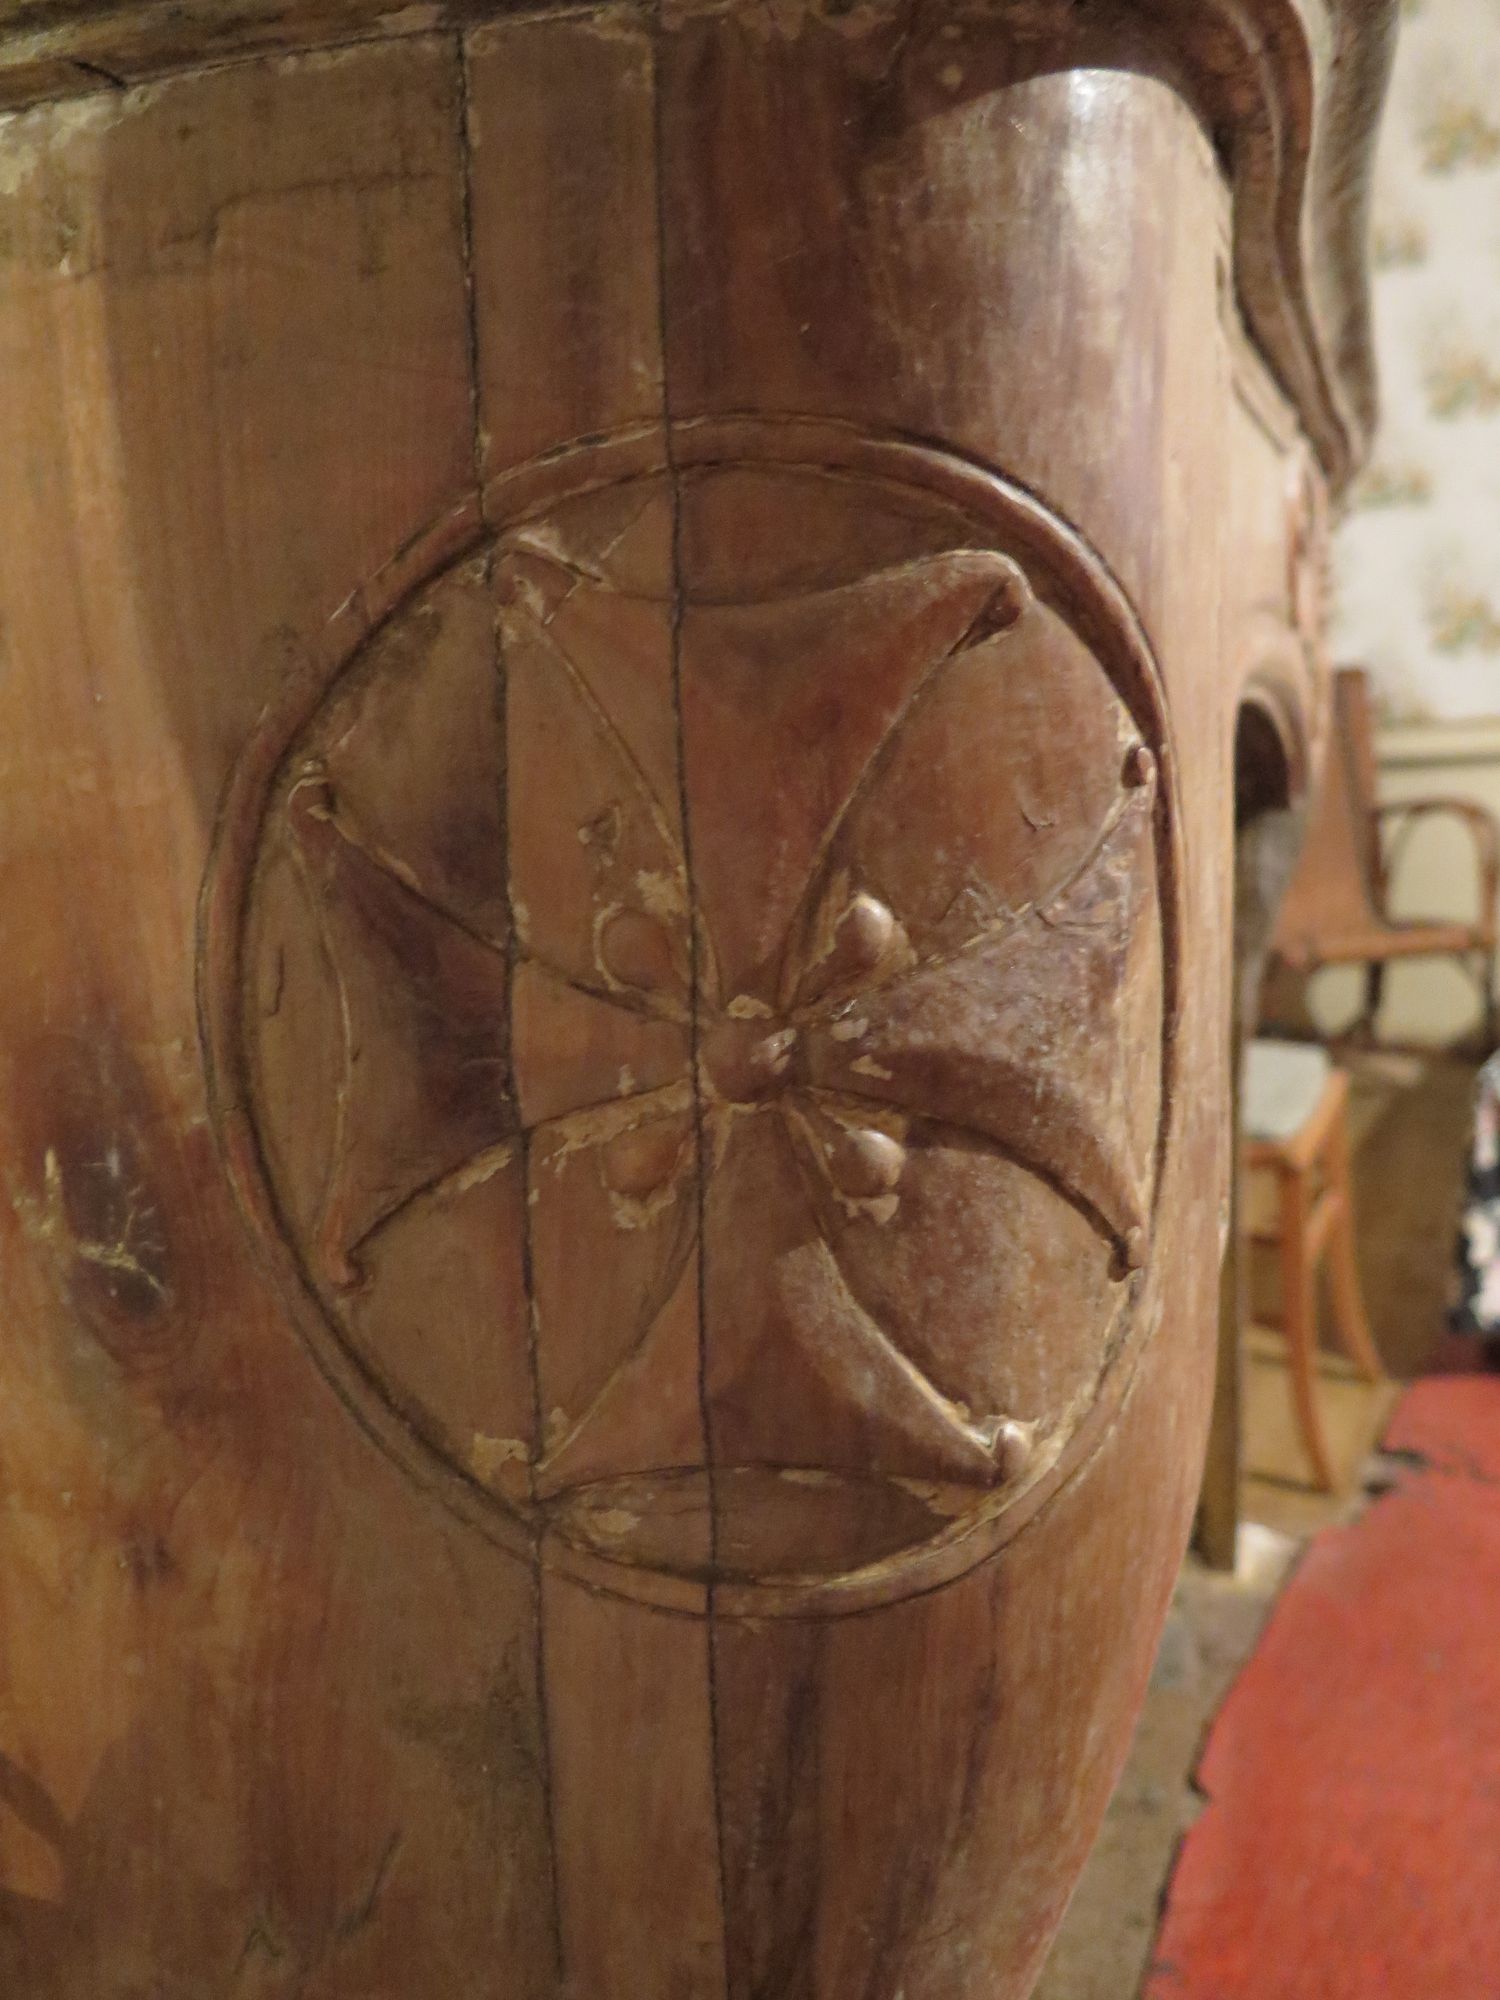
(1065, 571)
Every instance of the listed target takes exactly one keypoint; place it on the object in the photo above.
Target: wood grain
(1290, 89)
(236, 1766)
(562, 128)
(622, 640)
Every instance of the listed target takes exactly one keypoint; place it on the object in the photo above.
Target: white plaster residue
(867, 1066)
(29, 140)
(490, 1455)
(662, 895)
(482, 1168)
(614, 1522)
(850, 1029)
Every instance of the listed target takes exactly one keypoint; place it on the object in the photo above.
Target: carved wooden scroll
(690, 1025)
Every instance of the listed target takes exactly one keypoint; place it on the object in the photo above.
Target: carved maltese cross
(742, 1015)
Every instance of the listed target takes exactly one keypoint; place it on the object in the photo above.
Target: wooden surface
(619, 710)
(1290, 89)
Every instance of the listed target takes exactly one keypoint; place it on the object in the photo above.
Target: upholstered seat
(1284, 1084)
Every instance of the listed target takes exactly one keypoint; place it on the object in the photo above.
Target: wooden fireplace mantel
(628, 636)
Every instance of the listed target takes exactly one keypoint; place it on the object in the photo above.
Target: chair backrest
(1335, 891)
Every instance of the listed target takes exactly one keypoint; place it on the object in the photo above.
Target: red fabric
(1350, 1848)
(1453, 1423)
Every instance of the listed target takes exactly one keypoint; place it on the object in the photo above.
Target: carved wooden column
(621, 637)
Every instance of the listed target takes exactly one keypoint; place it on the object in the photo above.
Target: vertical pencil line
(501, 687)
(674, 477)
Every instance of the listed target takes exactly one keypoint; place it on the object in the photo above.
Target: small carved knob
(866, 1164)
(1140, 766)
(636, 950)
(641, 1160)
(862, 939)
(1002, 609)
(1014, 1443)
(769, 1059)
(741, 1062)
(865, 932)
(1131, 1254)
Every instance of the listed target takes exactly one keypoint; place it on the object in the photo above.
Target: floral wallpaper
(1417, 561)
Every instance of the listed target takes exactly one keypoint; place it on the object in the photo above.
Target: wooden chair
(1296, 1130)
(1337, 909)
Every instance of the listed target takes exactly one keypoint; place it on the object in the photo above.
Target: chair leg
(1350, 1320)
(1368, 1022)
(1299, 1318)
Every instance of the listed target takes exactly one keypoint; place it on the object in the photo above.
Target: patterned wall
(1417, 562)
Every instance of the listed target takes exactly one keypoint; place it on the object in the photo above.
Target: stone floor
(1409, 1120)
(1105, 1943)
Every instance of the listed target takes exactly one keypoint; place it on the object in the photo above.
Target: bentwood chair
(1337, 911)
(1296, 1134)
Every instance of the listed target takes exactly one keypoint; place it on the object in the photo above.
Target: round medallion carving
(686, 999)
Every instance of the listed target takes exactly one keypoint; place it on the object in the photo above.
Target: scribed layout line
(695, 962)
(523, 1141)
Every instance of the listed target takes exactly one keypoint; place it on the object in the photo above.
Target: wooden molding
(1289, 91)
